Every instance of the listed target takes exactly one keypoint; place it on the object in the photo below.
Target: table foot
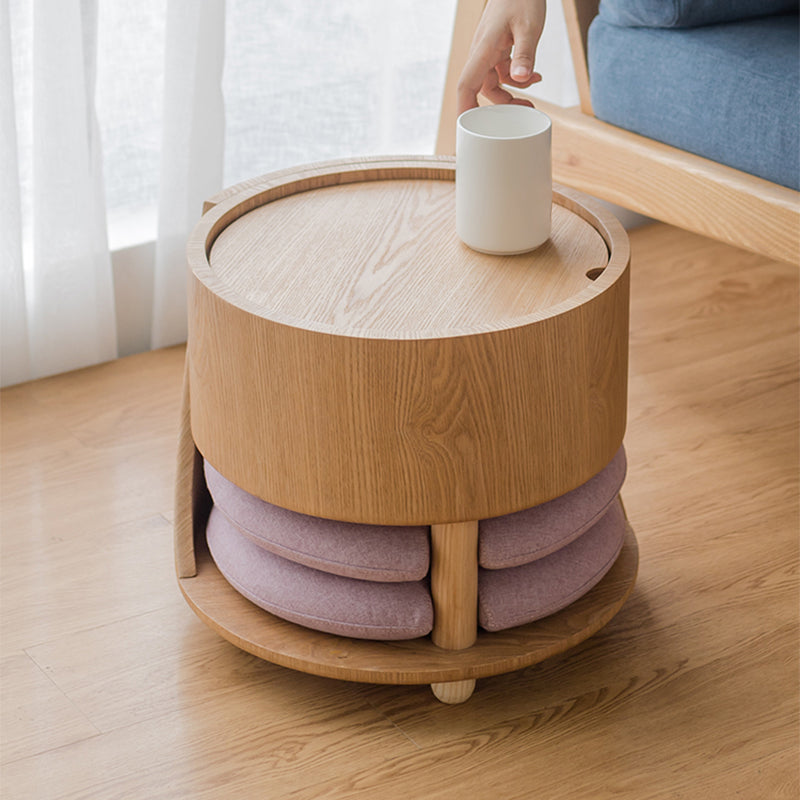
(454, 691)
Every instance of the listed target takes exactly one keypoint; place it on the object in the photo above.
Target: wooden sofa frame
(637, 173)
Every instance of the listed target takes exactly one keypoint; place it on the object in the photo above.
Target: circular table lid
(380, 258)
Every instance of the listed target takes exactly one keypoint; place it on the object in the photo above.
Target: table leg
(454, 691)
(454, 588)
(183, 535)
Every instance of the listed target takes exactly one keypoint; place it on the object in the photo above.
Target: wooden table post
(454, 587)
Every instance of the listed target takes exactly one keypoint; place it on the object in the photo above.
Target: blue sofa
(718, 78)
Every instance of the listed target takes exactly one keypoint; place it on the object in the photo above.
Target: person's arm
(503, 51)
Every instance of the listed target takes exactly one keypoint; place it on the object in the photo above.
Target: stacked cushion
(526, 536)
(364, 581)
(515, 596)
(370, 581)
(368, 552)
(717, 78)
(317, 599)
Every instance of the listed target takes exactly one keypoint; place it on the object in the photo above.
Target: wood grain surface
(112, 688)
(371, 368)
(381, 258)
(332, 293)
(454, 584)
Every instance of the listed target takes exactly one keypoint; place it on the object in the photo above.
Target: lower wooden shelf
(417, 661)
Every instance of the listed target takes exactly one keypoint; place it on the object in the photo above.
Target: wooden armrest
(674, 186)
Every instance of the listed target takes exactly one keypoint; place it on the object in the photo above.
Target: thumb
(522, 59)
(526, 30)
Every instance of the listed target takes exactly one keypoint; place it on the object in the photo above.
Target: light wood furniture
(350, 358)
(638, 173)
(112, 687)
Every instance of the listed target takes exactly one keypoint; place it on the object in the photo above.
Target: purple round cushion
(353, 550)
(319, 600)
(525, 536)
(516, 596)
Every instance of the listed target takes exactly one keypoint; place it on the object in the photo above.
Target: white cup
(504, 186)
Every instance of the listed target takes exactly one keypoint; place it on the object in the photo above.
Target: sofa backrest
(689, 13)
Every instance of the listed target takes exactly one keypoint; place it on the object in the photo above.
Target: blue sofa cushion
(727, 92)
(689, 13)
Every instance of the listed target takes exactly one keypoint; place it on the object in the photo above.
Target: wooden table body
(357, 362)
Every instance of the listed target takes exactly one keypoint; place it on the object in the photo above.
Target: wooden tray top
(381, 259)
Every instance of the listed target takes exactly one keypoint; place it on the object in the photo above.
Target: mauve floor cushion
(516, 596)
(369, 552)
(316, 599)
(528, 535)
(368, 581)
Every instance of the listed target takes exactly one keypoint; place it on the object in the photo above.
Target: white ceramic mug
(504, 186)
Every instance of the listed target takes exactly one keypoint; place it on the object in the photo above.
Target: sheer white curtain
(117, 120)
(14, 352)
(68, 319)
(192, 150)
(58, 300)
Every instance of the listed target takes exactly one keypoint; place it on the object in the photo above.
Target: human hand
(503, 51)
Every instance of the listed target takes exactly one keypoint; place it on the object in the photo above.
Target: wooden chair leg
(468, 14)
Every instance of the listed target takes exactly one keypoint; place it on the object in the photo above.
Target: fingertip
(520, 71)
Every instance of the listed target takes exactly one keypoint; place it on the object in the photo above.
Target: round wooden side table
(350, 358)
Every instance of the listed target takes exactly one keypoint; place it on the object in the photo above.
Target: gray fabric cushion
(511, 597)
(727, 92)
(689, 13)
(318, 600)
(516, 539)
(369, 552)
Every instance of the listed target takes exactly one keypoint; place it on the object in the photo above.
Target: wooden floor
(111, 688)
